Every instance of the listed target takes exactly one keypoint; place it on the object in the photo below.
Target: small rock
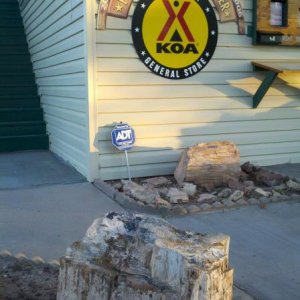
(217, 204)
(293, 185)
(205, 206)
(248, 168)
(253, 201)
(5, 253)
(163, 191)
(190, 189)
(258, 192)
(177, 196)
(276, 198)
(117, 185)
(157, 181)
(229, 203)
(248, 191)
(225, 193)
(276, 194)
(249, 183)
(235, 184)
(140, 203)
(179, 210)
(140, 193)
(193, 209)
(206, 198)
(236, 195)
(163, 203)
(280, 188)
(264, 200)
(242, 202)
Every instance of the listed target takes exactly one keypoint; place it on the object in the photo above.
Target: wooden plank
(280, 66)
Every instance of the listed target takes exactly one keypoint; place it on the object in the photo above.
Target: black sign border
(139, 45)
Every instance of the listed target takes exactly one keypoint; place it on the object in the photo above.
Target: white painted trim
(90, 62)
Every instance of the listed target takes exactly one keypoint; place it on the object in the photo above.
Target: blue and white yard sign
(123, 137)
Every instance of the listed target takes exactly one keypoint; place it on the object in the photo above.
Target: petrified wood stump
(209, 164)
(124, 256)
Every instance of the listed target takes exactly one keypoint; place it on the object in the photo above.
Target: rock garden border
(163, 196)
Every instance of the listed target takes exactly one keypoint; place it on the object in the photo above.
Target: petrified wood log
(125, 256)
(209, 164)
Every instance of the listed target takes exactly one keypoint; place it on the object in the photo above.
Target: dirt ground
(21, 278)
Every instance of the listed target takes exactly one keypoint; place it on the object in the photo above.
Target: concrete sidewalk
(42, 218)
(44, 221)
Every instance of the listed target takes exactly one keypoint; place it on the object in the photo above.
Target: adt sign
(123, 137)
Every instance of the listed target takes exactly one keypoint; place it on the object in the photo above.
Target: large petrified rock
(209, 164)
(125, 256)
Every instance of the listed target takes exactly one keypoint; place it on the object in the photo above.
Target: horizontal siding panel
(126, 78)
(77, 92)
(136, 171)
(76, 79)
(66, 114)
(53, 20)
(69, 154)
(188, 117)
(61, 69)
(142, 105)
(135, 65)
(65, 103)
(62, 124)
(199, 129)
(68, 138)
(193, 91)
(251, 52)
(173, 156)
(227, 33)
(61, 47)
(169, 168)
(188, 141)
(71, 55)
(57, 37)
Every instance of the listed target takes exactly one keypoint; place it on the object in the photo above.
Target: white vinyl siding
(215, 104)
(56, 40)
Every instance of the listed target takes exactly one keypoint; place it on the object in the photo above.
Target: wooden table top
(279, 66)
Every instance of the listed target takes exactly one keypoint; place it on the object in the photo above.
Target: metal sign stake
(128, 167)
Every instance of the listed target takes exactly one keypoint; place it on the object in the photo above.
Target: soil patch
(21, 278)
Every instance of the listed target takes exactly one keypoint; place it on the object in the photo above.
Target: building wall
(56, 40)
(216, 104)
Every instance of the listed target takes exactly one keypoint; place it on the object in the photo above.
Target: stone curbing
(233, 201)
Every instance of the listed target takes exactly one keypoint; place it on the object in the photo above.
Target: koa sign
(174, 39)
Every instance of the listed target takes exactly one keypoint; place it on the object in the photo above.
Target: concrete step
(21, 114)
(10, 129)
(25, 142)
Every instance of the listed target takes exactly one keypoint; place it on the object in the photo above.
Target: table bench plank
(273, 68)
